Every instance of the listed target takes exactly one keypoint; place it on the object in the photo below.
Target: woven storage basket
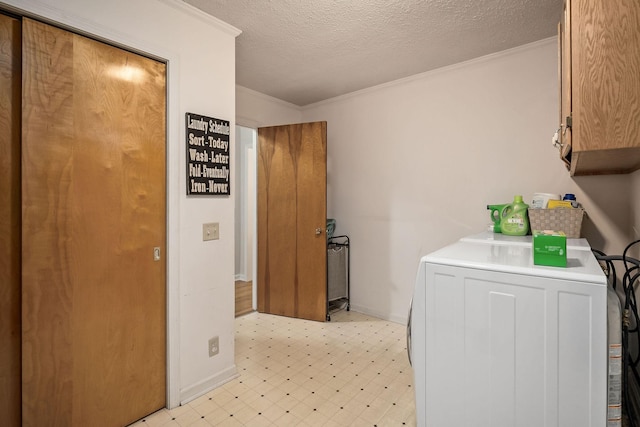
(563, 219)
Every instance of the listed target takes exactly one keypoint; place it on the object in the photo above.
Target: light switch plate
(210, 231)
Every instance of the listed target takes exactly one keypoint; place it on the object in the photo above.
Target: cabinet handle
(555, 140)
(568, 124)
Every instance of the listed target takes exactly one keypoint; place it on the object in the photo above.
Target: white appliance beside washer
(497, 341)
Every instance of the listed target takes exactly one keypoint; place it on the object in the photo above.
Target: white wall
(254, 110)
(413, 164)
(201, 79)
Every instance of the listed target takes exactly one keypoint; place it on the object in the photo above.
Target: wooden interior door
(10, 213)
(93, 210)
(292, 216)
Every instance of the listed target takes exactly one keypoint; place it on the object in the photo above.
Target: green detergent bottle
(515, 218)
(496, 216)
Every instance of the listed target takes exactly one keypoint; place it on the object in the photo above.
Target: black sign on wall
(207, 155)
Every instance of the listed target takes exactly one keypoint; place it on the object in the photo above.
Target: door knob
(318, 231)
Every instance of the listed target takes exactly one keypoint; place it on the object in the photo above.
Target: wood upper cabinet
(600, 86)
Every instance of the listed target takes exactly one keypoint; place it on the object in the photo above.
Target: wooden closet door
(10, 212)
(93, 182)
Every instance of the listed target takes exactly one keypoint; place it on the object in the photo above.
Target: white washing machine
(614, 325)
(497, 341)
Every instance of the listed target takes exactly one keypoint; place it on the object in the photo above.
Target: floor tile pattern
(351, 371)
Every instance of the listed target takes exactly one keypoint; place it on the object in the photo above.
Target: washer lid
(518, 259)
(503, 239)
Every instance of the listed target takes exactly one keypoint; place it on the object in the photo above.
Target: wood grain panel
(605, 43)
(10, 220)
(93, 210)
(291, 205)
(244, 297)
(312, 214)
(47, 361)
(277, 280)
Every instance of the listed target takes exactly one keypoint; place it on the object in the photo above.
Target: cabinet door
(605, 98)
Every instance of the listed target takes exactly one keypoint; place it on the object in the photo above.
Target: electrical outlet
(214, 348)
(210, 231)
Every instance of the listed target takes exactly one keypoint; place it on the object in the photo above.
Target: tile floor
(352, 371)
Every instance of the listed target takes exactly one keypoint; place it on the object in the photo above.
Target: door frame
(174, 119)
(250, 223)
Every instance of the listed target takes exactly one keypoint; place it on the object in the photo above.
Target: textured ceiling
(307, 51)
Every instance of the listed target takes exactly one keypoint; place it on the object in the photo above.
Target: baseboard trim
(205, 386)
(375, 313)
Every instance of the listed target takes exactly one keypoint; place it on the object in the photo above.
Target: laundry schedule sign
(207, 155)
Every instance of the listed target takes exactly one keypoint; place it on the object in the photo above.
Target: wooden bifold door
(92, 202)
(292, 219)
